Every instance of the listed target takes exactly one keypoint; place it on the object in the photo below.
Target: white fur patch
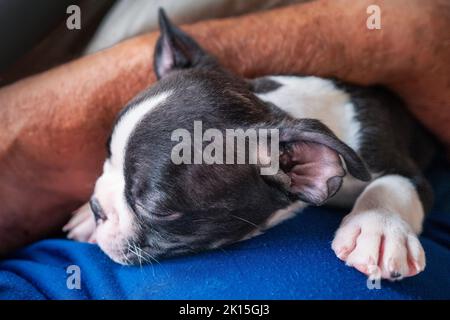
(379, 236)
(284, 214)
(395, 194)
(316, 98)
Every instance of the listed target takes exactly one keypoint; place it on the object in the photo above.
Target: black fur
(392, 141)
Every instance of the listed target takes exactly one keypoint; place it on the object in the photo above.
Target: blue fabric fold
(291, 261)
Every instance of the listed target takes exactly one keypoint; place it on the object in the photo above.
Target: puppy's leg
(81, 226)
(379, 236)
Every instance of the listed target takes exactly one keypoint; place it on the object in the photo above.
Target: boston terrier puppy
(146, 207)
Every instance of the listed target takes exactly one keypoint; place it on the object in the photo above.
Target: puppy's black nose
(97, 210)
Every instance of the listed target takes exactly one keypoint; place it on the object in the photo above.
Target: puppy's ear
(310, 154)
(175, 49)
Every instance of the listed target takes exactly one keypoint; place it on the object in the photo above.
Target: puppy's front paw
(379, 244)
(81, 226)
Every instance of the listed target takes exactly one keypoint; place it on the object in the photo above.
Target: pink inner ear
(166, 62)
(315, 170)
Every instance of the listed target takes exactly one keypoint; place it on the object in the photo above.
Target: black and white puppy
(146, 207)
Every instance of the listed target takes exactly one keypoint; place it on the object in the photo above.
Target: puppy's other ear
(310, 155)
(175, 49)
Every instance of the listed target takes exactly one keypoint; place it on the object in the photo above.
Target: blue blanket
(291, 261)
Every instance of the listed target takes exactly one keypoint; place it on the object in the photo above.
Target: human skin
(55, 124)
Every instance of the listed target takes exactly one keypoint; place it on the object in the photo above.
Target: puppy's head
(148, 206)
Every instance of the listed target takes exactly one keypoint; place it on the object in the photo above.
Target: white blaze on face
(112, 235)
(126, 125)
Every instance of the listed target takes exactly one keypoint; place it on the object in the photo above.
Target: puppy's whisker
(125, 258)
(247, 221)
(139, 252)
(149, 255)
(133, 251)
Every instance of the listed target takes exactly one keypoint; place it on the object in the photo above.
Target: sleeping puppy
(146, 207)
